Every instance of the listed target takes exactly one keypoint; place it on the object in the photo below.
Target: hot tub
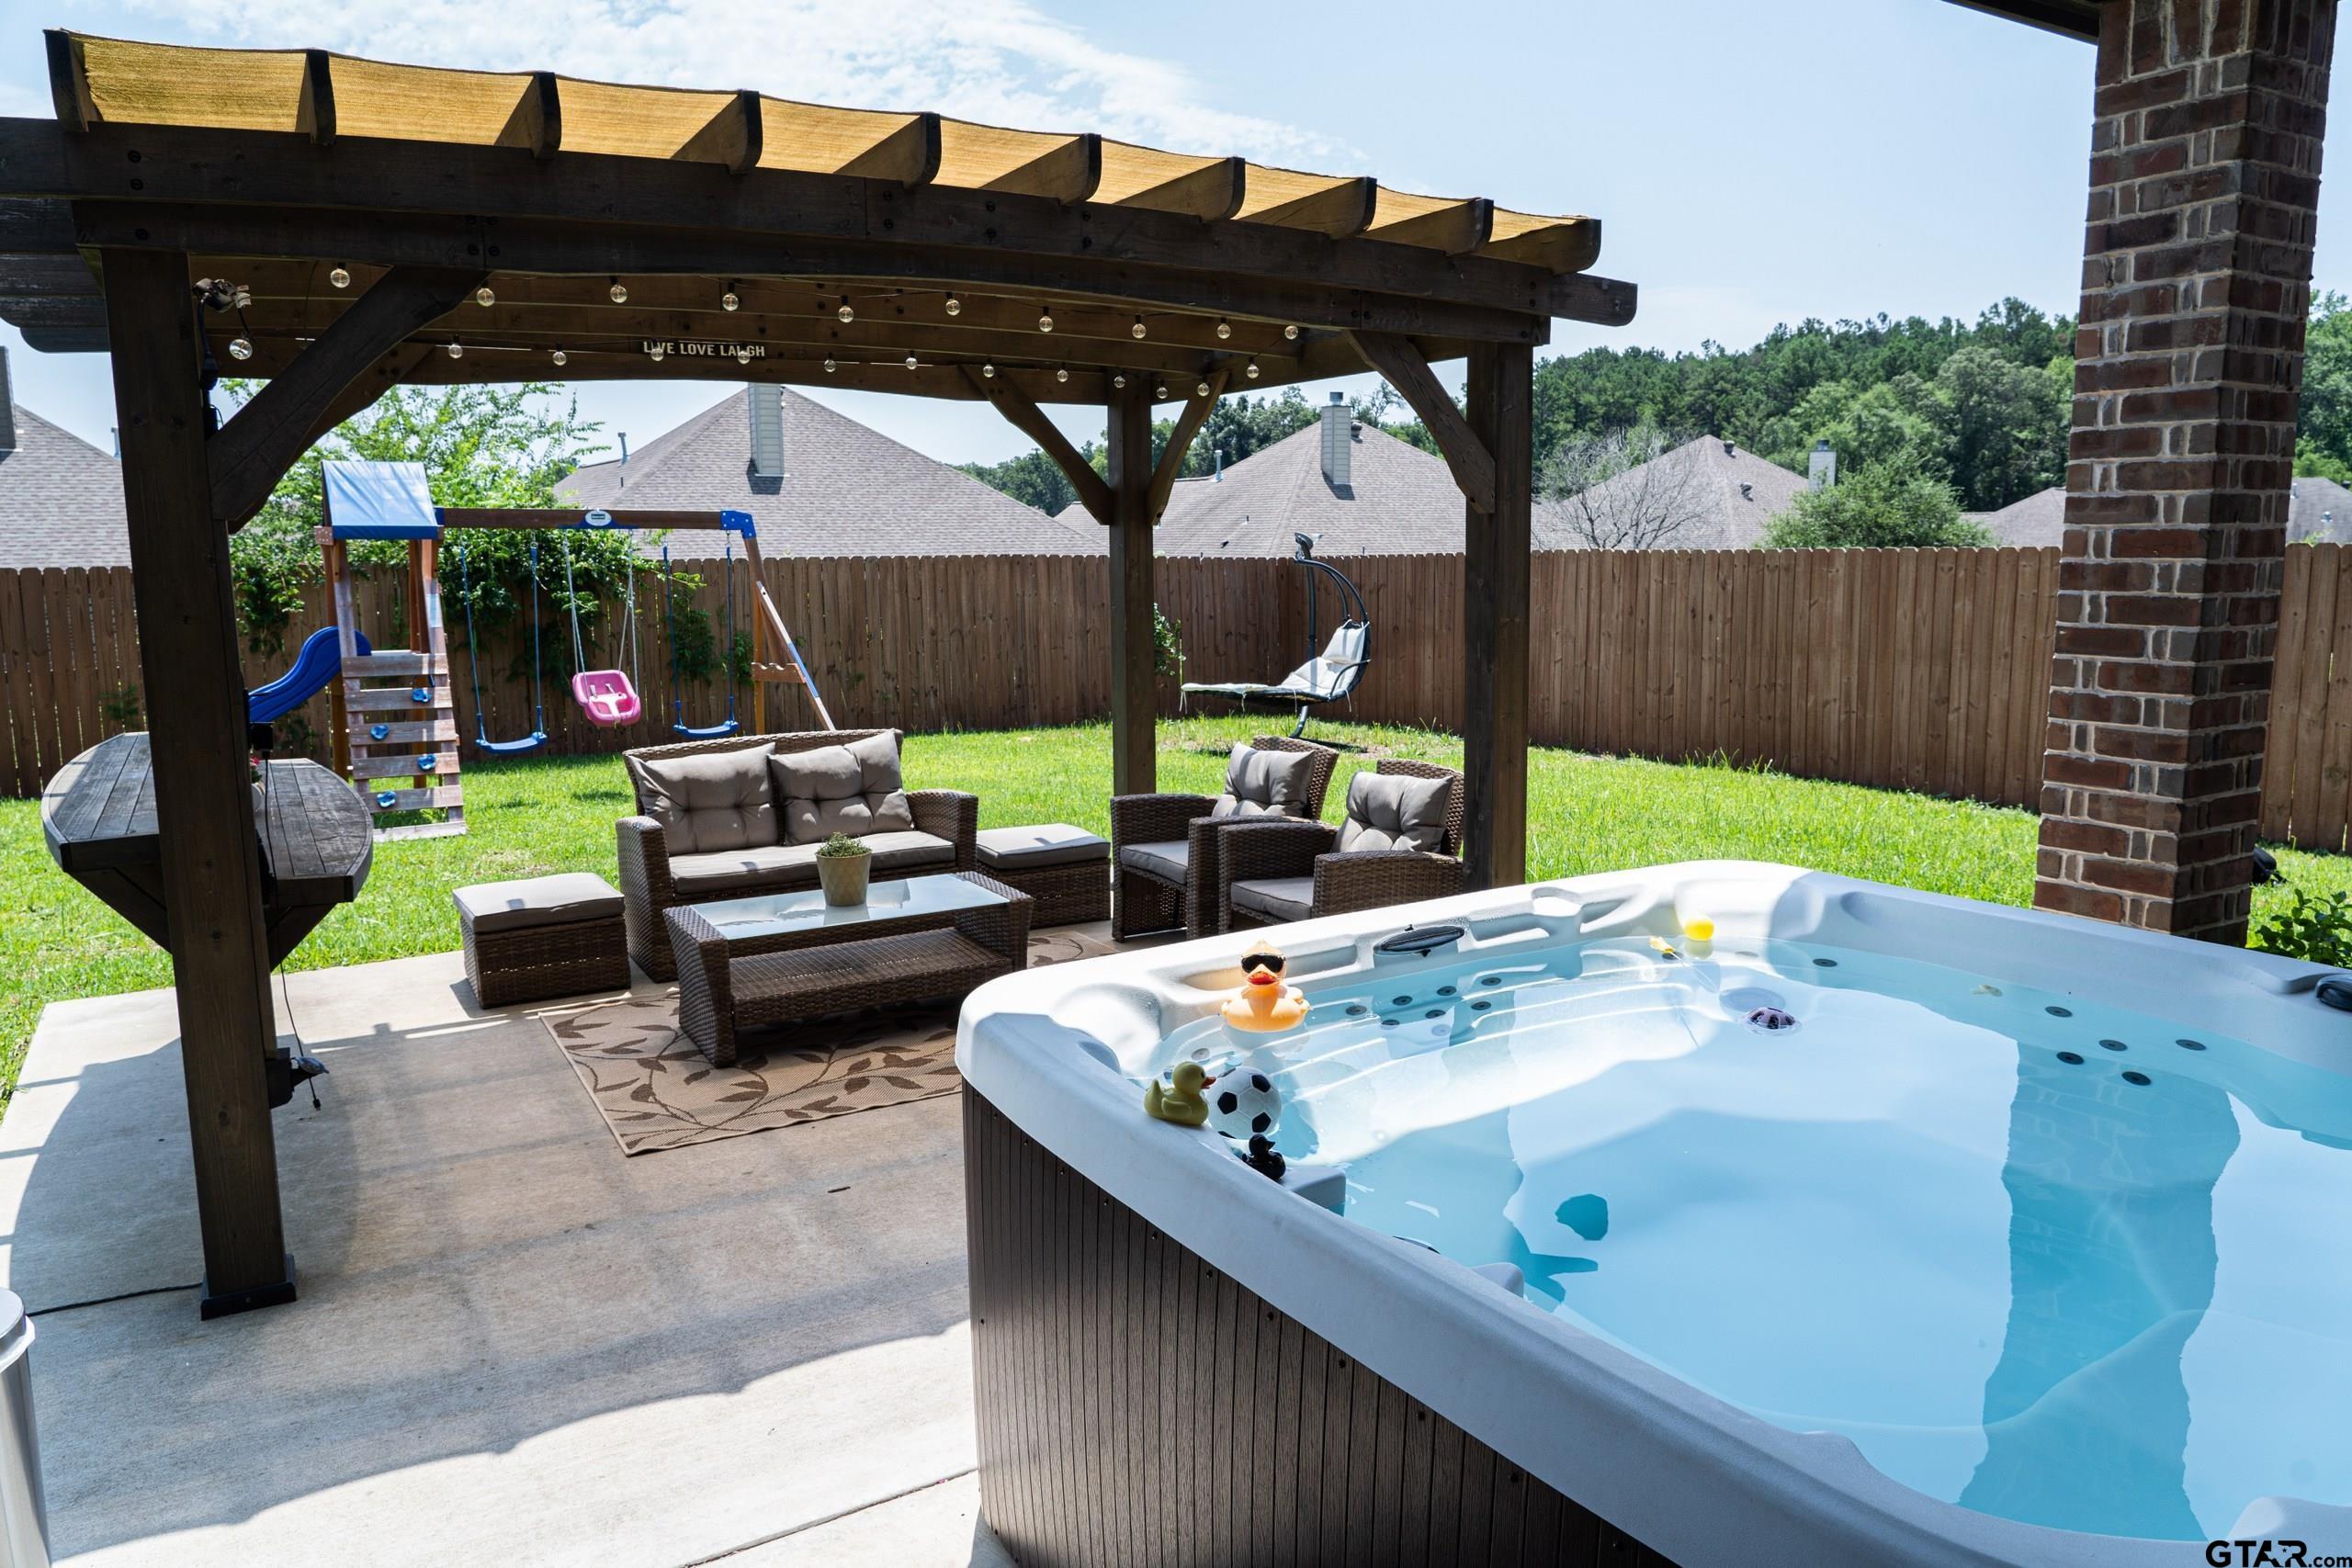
(1875, 1227)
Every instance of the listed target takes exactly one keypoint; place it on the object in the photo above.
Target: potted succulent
(843, 863)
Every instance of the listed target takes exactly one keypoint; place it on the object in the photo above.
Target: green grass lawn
(540, 814)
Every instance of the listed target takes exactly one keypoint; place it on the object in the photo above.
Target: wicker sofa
(706, 830)
(1163, 847)
(1270, 872)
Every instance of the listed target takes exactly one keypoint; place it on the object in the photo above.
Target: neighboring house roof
(1398, 501)
(2322, 510)
(60, 498)
(1723, 495)
(2040, 519)
(845, 491)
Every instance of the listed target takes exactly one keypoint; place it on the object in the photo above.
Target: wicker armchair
(1294, 870)
(1184, 894)
(648, 888)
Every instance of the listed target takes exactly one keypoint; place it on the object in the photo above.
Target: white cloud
(999, 61)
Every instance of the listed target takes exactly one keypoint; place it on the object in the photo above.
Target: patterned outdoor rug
(657, 1091)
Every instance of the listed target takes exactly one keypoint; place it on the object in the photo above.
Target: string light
(1224, 328)
(1119, 380)
(1250, 370)
(241, 348)
(954, 305)
(1202, 391)
(828, 365)
(743, 353)
(989, 370)
(1291, 332)
(1136, 331)
(1046, 320)
(656, 352)
(560, 356)
(484, 297)
(845, 313)
(1160, 390)
(618, 292)
(340, 277)
(910, 361)
(729, 301)
(457, 350)
(1061, 373)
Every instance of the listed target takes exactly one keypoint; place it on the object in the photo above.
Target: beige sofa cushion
(907, 849)
(1034, 849)
(1264, 783)
(854, 789)
(1166, 861)
(709, 801)
(1276, 897)
(1394, 811)
(760, 868)
(562, 899)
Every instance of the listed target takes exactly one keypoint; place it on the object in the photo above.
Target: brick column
(2205, 162)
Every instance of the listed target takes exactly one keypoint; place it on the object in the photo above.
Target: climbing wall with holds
(395, 715)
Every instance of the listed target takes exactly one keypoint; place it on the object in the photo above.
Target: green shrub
(2314, 926)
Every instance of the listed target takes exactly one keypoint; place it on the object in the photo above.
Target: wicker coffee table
(784, 956)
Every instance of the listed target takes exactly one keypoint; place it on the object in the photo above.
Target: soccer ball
(1242, 1102)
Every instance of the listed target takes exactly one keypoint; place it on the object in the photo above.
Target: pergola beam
(1093, 491)
(1180, 441)
(206, 166)
(254, 450)
(1495, 613)
(447, 240)
(1135, 688)
(1399, 362)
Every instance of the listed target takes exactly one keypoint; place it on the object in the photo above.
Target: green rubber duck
(1184, 1104)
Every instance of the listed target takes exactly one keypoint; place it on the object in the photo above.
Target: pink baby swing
(606, 696)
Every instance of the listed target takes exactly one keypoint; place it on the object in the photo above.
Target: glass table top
(738, 918)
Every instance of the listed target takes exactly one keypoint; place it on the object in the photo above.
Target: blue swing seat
(531, 742)
(718, 732)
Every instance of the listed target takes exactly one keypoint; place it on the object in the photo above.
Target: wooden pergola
(341, 226)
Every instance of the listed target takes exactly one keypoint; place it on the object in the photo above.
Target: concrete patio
(512, 1343)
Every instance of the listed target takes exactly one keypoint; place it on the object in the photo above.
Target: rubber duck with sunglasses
(1264, 1005)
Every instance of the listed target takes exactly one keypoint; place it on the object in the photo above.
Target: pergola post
(2196, 284)
(1500, 409)
(204, 800)
(1134, 692)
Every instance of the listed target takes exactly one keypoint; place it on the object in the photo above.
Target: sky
(1751, 164)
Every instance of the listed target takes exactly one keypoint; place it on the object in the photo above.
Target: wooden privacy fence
(1923, 670)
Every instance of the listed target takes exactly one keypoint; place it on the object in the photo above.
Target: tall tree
(1614, 492)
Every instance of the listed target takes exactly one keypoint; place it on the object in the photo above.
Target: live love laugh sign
(706, 348)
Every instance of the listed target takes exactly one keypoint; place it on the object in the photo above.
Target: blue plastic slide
(320, 661)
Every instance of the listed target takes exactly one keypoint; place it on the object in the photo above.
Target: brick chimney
(8, 406)
(1339, 442)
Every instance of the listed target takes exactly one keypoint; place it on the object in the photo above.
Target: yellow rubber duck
(1264, 1005)
(1183, 1104)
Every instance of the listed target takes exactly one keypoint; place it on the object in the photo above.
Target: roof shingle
(61, 500)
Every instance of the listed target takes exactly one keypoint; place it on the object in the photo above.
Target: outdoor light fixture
(1250, 370)
(989, 370)
(1046, 320)
(241, 348)
(340, 277)
(1118, 382)
(728, 301)
(1291, 332)
(620, 292)
(484, 297)
(560, 356)
(241, 296)
(910, 361)
(828, 365)
(954, 305)
(1224, 328)
(845, 313)
(1202, 391)
(457, 350)
(1061, 372)
(655, 352)
(743, 353)
(1160, 390)
(1136, 331)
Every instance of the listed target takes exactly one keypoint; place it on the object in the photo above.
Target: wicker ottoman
(543, 936)
(1066, 870)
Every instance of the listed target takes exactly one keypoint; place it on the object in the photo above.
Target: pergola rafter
(337, 227)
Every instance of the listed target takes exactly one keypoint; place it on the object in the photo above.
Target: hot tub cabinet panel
(1137, 1405)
